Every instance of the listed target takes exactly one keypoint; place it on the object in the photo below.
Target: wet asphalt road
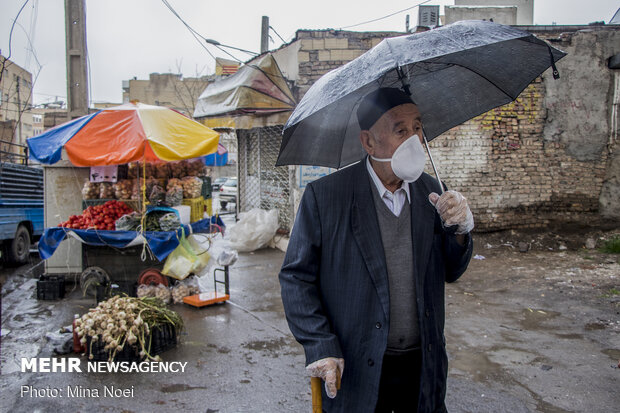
(517, 342)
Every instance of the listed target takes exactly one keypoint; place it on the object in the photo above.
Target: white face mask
(408, 159)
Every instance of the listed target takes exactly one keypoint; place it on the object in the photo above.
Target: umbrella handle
(428, 150)
(317, 398)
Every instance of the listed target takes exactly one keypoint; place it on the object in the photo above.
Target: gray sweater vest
(404, 333)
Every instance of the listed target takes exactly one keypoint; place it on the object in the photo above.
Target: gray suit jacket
(335, 285)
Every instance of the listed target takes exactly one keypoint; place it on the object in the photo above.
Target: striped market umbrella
(122, 134)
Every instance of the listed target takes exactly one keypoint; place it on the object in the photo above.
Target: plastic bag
(179, 263)
(184, 288)
(123, 188)
(129, 222)
(174, 196)
(106, 190)
(227, 258)
(169, 222)
(178, 169)
(90, 190)
(200, 244)
(159, 291)
(161, 170)
(254, 230)
(192, 187)
(157, 196)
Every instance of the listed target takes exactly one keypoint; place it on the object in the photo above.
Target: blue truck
(21, 210)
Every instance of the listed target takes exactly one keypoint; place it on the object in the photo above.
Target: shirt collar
(379, 185)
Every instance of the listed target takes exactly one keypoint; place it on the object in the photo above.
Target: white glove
(330, 370)
(453, 210)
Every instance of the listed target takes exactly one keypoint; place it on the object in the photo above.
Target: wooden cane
(317, 398)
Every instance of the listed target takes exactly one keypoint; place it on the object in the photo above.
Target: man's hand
(453, 210)
(330, 370)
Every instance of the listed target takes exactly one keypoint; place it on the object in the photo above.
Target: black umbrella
(453, 73)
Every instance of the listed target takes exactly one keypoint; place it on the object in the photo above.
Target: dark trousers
(400, 383)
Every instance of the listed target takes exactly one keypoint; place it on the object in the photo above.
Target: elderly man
(363, 277)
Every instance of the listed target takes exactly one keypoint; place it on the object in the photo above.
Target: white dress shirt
(394, 201)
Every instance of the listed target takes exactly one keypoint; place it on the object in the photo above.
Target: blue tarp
(215, 159)
(161, 243)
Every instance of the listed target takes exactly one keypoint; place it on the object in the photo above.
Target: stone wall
(546, 158)
(323, 50)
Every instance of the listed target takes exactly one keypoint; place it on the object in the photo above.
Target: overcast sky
(128, 38)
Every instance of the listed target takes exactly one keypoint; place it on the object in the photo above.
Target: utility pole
(77, 84)
(19, 112)
(264, 35)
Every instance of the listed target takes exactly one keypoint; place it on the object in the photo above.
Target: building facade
(166, 89)
(15, 102)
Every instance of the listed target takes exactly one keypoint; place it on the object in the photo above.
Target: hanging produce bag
(181, 262)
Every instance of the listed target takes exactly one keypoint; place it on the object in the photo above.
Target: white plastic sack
(254, 230)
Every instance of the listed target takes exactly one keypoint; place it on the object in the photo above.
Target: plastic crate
(209, 206)
(162, 338)
(132, 203)
(206, 187)
(105, 291)
(50, 287)
(197, 206)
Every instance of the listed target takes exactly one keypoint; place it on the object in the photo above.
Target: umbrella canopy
(126, 133)
(454, 73)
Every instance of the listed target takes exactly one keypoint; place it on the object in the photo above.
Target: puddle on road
(612, 352)
(274, 347)
(483, 369)
(174, 388)
(594, 326)
(569, 336)
(533, 318)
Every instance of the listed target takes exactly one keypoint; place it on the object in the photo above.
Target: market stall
(146, 188)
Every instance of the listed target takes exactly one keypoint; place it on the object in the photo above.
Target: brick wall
(511, 175)
(546, 158)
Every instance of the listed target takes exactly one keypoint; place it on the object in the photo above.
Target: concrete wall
(548, 158)
(167, 89)
(525, 8)
(500, 14)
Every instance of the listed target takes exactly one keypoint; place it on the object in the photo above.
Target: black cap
(376, 103)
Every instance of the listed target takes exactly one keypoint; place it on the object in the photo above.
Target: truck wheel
(20, 246)
(223, 204)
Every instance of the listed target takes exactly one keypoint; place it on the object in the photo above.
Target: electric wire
(193, 32)
(196, 35)
(385, 17)
(277, 34)
(10, 38)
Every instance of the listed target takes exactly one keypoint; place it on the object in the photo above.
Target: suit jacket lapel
(422, 227)
(367, 234)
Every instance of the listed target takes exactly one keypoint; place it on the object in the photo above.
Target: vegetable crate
(197, 208)
(162, 338)
(131, 203)
(50, 287)
(105, 291)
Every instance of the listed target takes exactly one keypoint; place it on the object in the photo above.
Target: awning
(257, 88)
